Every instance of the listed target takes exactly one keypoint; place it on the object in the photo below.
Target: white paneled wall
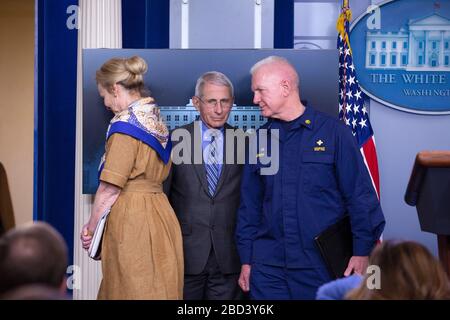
(212, 24)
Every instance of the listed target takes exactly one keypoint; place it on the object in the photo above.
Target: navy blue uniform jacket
(321, 176)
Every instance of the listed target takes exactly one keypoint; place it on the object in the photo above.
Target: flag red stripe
(370, 153)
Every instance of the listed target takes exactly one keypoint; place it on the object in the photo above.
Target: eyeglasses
(212, 103)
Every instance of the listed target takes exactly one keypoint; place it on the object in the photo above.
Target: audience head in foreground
(408, 271)
(34, 254)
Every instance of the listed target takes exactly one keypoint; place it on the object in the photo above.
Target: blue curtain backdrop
(145, 24)
(284, 24)
(55, 110)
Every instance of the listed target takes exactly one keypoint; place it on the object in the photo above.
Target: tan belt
(145, 186)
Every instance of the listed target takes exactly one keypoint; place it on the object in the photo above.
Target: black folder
(336, 246)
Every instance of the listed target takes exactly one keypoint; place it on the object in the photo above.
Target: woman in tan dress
(141, 255)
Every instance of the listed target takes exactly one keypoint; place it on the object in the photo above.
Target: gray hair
(214, 77)
(280, 60)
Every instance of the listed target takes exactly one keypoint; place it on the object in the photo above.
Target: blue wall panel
(283, 24)
(55, 117)
(145, 24)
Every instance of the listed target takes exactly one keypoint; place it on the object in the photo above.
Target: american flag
(352, 109)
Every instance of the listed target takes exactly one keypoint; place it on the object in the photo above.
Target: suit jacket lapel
(199, 169)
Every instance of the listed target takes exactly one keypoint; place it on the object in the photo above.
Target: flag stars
(351, 80)
(364, 110)
(362, 123)
(352, 110)
(348, 108)
(349, 94)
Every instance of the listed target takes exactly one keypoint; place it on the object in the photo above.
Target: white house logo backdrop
(401, 51)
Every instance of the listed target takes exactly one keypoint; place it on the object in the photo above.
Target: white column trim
(426, 50)
(100, 24)
(441, 51)
(411, 63)
(257, 39)
(184, 24)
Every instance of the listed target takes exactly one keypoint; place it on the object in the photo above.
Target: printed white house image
(421, 45)
(244, 117)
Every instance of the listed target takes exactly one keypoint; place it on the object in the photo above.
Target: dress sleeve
(121, 152)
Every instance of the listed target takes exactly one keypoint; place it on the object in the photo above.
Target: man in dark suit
(203, 189)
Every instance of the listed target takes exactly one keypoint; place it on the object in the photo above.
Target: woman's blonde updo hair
(126, 72)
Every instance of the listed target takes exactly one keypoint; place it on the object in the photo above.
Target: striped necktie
(212, 166)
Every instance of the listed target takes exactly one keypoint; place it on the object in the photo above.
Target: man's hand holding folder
(336, 247)
(358, 265)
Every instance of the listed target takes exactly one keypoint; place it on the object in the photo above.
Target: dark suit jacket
(205, 221)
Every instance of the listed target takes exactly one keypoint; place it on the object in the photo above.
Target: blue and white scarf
(142, 120)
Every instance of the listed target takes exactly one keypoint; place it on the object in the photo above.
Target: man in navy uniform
(321, 177)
